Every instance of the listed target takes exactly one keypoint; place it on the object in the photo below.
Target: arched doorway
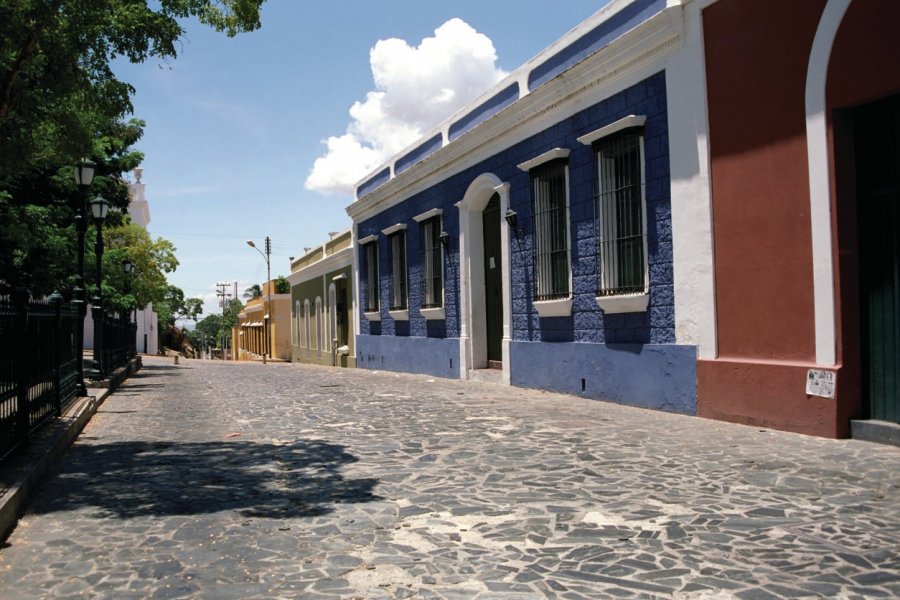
(486, 311)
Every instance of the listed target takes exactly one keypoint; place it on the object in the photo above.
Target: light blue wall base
(423, 355)
(658, 376)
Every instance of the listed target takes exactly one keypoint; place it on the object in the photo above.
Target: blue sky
(234, 126)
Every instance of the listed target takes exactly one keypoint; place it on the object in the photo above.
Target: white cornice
(368, 239)
(340, 259)
(627, 122)
(592, 80)
(434, 212)
(393, 228)
(544, 158)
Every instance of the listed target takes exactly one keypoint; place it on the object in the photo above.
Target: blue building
(529, 238)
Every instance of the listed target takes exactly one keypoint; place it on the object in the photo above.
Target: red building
(804, 152)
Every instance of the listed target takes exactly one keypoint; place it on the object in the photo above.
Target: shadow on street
(131, 479)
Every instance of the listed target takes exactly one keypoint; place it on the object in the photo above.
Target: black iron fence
(38, 364)
(119, 339)
(39, 359)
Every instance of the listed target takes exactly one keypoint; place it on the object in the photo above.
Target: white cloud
(415, 89)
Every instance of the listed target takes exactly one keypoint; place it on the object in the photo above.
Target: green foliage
(213, 329)
(152, 260)
(57, 89)
(175, 306)
(282, 286)
(254, 291)
(59, 101)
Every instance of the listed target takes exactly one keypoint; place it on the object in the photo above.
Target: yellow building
(248, 337)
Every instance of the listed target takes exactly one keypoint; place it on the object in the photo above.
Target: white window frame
(320, 325)
(631, 302)
(556, 307)
(332, 316)
(295, 330)
(372, 277)
(306, 323)
(397, 233)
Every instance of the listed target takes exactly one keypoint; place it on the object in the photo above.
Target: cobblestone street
(248, 481)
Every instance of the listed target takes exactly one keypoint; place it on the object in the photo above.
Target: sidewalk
(22, 472)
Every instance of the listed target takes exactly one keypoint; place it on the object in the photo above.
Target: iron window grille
(397, 245)
(621, 209)
(372, 287)
(432, 263)
(551, 231)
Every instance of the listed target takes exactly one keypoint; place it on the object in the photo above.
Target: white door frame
(472, 331)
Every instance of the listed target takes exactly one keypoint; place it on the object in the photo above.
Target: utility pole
(223, 297)
(267, 255)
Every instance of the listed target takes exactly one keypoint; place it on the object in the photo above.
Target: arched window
(296, 332)
(306, 322)
(332, 312)
(319, 324)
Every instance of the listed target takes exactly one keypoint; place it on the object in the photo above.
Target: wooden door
(493, 286)
(877, 133)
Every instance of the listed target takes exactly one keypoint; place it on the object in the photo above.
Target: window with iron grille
(397, 246)
(372, 287)
(432, 263)
(621, 233)
(551, 231)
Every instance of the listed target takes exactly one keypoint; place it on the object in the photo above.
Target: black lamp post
(267, 257)
(84, 176)
(99, 209)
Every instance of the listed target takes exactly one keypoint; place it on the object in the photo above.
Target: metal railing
(39, 354)
(38, 364)
(119, 341)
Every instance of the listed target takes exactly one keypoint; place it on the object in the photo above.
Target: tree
(254, 291)
(214, 329)
(208, 332)
(175, 306)
(152, 260)
(282, 285)
(59, 101)
(57, 87)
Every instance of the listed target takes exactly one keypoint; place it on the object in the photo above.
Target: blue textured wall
(428, 356)
(662, 376)
(588, 323)
(593, 336)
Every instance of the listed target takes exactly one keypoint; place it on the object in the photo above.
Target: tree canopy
(57, 87)
(60, 101)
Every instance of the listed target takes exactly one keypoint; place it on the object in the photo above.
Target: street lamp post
(99, 209)
(84, 176)
(267, 256)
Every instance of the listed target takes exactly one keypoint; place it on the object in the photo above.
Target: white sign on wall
(820, 383)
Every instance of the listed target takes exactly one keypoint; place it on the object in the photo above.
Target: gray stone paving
(248, 481)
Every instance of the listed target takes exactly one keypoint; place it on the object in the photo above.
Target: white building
(147, 341)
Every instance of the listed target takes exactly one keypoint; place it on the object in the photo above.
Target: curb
(26, 467)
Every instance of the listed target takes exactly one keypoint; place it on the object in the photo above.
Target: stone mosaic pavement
(211, 480)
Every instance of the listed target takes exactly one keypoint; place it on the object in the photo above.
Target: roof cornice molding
(595, 78)
(340, 259)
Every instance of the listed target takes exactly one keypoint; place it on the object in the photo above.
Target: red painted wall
(865, 58)
(757, 54)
